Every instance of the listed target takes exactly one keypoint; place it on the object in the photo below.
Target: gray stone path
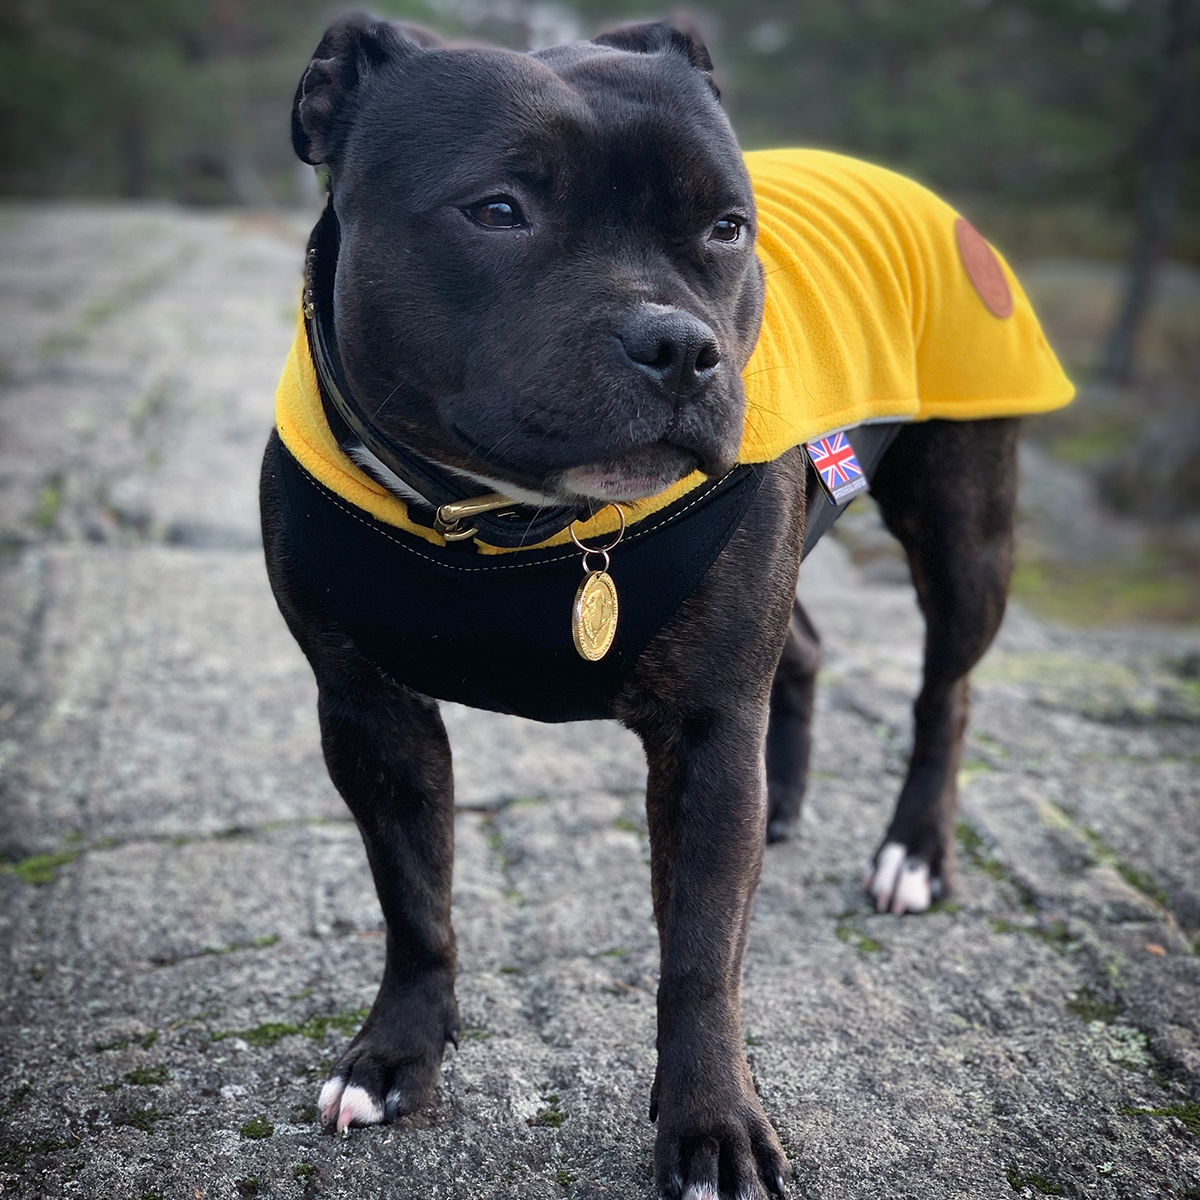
(187, 928)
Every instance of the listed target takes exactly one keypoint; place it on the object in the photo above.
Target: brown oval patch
(983, 269)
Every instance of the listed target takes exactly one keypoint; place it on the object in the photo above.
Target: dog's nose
(671, 346)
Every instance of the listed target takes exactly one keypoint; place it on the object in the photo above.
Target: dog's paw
(343, 1104)
(900, 882)
(368, 1090)
(738, 1158)
(391, 1068)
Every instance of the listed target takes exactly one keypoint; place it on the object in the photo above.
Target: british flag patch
(837, 467)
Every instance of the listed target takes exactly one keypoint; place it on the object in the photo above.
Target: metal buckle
(446, 520)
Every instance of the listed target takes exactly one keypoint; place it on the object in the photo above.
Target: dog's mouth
(643, 472)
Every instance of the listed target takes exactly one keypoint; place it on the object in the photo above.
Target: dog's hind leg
(947, 491)
(789, 736)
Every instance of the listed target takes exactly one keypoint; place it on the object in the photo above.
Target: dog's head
(547, 274)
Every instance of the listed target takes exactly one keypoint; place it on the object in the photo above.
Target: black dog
(537, 275)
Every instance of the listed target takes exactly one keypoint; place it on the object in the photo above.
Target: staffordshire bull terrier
(576, 385)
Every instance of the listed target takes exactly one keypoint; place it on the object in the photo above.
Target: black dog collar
(459, 511)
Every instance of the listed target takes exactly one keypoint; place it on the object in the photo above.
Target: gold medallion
(594, 615)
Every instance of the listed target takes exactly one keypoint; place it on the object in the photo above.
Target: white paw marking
(358, 1109)
(330, 1098)
(914, 892)
(701, 1191)
(882, 882)
(899, 884)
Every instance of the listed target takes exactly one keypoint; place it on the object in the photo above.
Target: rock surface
(187, 927)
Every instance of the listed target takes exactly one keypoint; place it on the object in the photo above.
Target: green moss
(971, 767)
(471, 1034)
(49, 504)
(1139, 880)
(40, 868)
(303, 1172)
(1087, 1006)
(304, 1114)
(1055, 934)
(257, 943)
(549, 1117)
(315, 1028)
(1114, 591)
(508, 969)
(1187, 1111)
(564, 1178)
(1101, 441)
(849, 933)
(250, 1186)
(145, 1041)
(139, 1118)
(1020, 1181)
(257, 1129)
(15, 1155)
(152, 1194)
(495, 843)
(627, 826)
(1143, 882)
(262, 1035)
(148, 1076)
(975, 850)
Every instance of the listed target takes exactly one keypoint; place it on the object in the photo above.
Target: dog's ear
(353, 48)
(659, 37)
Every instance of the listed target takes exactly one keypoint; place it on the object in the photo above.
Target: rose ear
(353, 49)
(658, 38)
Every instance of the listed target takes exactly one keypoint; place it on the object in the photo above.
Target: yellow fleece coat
(881, 304)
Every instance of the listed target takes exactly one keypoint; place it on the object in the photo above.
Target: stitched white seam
(321, 490)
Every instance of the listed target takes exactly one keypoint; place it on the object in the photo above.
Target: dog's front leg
(706, 803)
(699, 699)
(388, 755)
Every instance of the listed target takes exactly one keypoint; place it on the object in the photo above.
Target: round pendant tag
(594, 615)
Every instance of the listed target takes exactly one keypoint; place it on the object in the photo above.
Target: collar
(459, 512)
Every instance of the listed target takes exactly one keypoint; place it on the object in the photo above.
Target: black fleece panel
(494, 631)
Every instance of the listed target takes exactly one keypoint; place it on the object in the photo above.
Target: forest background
(1065, 129)
(1042, 109)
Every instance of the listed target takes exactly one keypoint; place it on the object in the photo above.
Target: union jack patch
(837, 467)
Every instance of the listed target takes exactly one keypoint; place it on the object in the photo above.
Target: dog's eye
(498, 212)
(727, 229)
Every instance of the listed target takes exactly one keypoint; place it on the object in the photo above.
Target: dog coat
(882, 305)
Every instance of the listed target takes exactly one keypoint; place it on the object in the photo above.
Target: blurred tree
(1165, 145)
(187, 99)
(1028, 100)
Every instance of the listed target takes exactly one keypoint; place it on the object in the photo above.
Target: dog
(525, 460)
